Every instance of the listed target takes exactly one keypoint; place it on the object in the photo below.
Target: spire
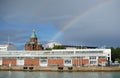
(33, 34)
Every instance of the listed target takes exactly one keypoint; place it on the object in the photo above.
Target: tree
(48, 49)
(117, 59)
(58, 47)
(115, 54)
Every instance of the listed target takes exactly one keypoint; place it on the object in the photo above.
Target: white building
(52, 44)
(7, 47)
(65, 57)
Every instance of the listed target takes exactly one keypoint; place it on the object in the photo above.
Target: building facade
(75, 57)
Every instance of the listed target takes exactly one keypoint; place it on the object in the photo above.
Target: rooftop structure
(33, 44)
(33, 34)
(7, 47)
(52, 44)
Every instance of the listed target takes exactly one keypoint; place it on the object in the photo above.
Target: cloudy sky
(78, 22)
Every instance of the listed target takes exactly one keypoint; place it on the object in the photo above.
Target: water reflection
(22, 74)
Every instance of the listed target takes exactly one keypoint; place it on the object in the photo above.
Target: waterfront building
(34, 55)
(75, 57)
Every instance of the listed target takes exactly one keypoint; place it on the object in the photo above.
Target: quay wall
(64, 69)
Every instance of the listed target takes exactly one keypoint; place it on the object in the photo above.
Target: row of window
(89, 51)
(78, 57)
(3, 49)
(92, 57)
(93, 62)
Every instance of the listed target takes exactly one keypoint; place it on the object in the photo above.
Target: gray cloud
(13, 35)
(101, 24)
(34, 11)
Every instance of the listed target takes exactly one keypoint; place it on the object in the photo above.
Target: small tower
(33, 44)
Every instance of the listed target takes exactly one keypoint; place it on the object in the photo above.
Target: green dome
(33, 34)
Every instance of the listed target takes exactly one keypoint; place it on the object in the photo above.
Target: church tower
(33, 44)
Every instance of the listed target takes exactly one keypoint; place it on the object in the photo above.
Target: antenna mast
(8, 40)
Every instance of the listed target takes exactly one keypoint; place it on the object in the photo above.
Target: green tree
(48, 48)
(117, 59)
(58, 47)
(115, 54)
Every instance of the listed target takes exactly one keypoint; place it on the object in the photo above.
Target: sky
(70, 22)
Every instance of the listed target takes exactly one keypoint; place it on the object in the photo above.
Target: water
(22, 74)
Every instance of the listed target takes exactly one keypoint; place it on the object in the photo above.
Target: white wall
(107, 52)
(7, 47)
(20, 61)
(0, 61)
(43, 62)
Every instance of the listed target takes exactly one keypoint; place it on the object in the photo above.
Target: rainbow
(76, 19)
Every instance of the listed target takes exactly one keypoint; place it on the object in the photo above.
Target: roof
(33, 34)
(72, 46)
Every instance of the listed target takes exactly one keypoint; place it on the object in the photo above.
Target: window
(92, 62)
(92, 57)
(67, 61)
(102, 57)
(43, 61)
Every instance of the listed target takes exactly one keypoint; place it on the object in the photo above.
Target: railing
(51, 53)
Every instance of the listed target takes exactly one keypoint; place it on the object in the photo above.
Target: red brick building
(33, 44)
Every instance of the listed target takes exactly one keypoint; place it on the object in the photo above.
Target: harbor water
(38, 74)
